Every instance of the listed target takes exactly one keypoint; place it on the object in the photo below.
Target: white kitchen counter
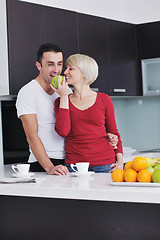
(127, 158)
(95, 187)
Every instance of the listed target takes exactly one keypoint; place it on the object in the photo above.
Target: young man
(35, 107)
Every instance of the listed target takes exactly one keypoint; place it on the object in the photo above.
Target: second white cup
(82, 167)
(21, 169)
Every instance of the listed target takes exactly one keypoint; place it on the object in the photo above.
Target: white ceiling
(132, 11)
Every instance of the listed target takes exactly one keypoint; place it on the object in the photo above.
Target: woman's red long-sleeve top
(86, 131)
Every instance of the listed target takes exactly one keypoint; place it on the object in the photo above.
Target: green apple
(151, 161)
(156, 166)
(54, 80)
(156, 176)
(150, 169)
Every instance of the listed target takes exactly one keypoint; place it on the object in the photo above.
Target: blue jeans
(96, 169)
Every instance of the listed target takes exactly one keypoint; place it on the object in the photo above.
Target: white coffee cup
(82, 167)
(21, 169)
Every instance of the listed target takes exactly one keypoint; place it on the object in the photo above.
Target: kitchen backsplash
(138, 121)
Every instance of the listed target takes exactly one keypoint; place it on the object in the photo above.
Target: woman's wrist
(119, 160)
(64, 102)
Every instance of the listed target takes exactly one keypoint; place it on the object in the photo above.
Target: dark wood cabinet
(60, 27)
(149, 40)
(25, 35)
(93, 42)
(42, 218)
(112, 44)
(123, 59)
(29, 26)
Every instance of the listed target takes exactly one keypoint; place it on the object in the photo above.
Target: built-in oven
(15, 146)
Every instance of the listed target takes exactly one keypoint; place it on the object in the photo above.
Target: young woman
(85, 118)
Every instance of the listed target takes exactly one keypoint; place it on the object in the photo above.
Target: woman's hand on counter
(118, 164)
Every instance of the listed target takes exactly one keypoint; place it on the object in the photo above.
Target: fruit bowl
(135, 184)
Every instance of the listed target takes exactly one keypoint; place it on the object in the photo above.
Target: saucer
(17, 175)
(76, 174)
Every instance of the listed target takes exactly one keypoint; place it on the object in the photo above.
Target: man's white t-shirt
(32, 99)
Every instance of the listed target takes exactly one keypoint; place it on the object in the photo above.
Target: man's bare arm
(30, 125)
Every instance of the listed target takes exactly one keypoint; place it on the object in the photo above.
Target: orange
(130, 175)
(118, 175)
(128, 165)
(144, 176)
(139, 163)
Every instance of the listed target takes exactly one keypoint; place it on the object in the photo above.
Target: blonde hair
(86, 64)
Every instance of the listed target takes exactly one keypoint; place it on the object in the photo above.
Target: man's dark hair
(47, 47)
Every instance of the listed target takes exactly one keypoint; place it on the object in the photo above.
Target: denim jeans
(96, 169)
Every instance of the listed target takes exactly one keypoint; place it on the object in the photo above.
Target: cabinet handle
(119, 90)
(95, 89)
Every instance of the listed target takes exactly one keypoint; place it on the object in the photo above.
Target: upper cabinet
(60, 27)
(93, 42)
(111, 43)
(149, 40)
(114, 47)
(25, 34)
(30, 25)
(123, 59)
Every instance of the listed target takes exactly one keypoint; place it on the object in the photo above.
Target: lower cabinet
(46, 218)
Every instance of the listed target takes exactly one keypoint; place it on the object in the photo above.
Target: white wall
(4, 80)
(142, 11)
(1, 142)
